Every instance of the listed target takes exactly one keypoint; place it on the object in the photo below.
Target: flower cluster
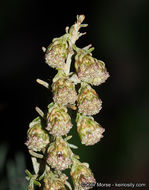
(47, 138)
(90, 131)
(63, 90)
(38, 137)
(90, 70)
(58, 120)
(56, 53)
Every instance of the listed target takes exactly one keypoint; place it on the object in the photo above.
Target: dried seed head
(90, 131)
(88, 100)
(64, 91)
(37, 138)
(59, 154)
(90, 70)
(54, 182)
(56, 53)
(82, 176)
(58, 120)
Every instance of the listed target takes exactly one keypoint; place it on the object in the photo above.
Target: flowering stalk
(47, 139)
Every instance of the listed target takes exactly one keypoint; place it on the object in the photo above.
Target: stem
(68, 61)
(35, 165)
(74, 36)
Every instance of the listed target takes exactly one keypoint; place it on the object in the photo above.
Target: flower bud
(90, 70)
(64, 90)
(88, 100)
(82, 176)
(56, 53)
(54, 182)
(58, 120)
(59, 154)
(90, 131)
(37, 138)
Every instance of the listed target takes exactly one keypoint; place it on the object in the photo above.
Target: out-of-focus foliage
(12, 175)
(3, 153)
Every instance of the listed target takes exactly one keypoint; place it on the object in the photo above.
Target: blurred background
(119, 32)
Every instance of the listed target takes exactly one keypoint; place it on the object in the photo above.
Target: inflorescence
(47, 136)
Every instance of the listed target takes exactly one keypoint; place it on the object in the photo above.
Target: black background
(119, 32)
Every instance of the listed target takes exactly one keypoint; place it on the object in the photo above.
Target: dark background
(119, 32)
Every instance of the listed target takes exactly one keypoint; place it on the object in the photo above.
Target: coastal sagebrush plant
(47, 136)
